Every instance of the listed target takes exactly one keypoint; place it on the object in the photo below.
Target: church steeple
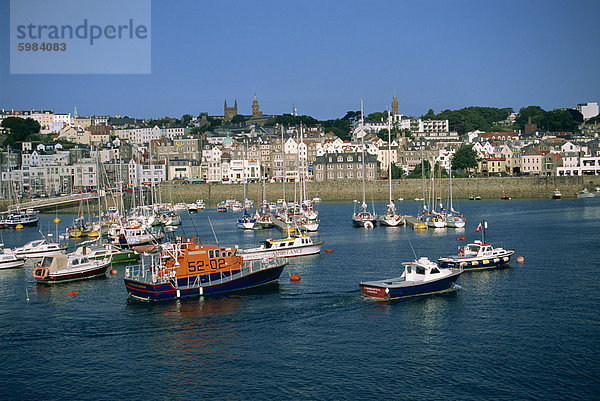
(255, 110)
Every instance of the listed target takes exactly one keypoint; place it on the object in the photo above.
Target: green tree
(397, 171)
(376, 117)
(238, 119)
(19, 129)
(185, 119)
(424, 167)
(535, 112)
(464, 158)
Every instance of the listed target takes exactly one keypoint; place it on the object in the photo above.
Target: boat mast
(99, 196)
(283, 172)
(390, 159)
(364, 204)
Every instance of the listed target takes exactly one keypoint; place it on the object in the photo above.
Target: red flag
(478, 228)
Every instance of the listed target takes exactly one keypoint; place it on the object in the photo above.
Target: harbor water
(530, 331)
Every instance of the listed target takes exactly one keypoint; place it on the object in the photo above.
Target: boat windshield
(472, 248)
(46, 261)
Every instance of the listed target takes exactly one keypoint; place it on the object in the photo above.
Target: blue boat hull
(378, 290)
(166, 291)
(361, 223)
(467, 263)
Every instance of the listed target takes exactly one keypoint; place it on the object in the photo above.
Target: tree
(465, 158)
(424, 167)
(377, 117)
(185, 119)
(535, 112)
(20, 129)
(352, 116)
(238, 119)
(397, 171)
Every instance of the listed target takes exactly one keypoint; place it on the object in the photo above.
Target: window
(420, 270)
(211, 254)
(217, 253)
(340, 159)
(349, 159)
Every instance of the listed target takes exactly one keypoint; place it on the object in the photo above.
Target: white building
(588, 110)
(146, 173)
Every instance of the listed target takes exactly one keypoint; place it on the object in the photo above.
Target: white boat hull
(12, 264)
(391, 221)
(259, 253)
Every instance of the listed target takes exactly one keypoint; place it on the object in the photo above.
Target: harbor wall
(463, 188)
(487, 188)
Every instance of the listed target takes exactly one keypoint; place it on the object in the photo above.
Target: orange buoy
(73, 293)
(458, 239)
(113, 271)
(295, 277)
(520, 259)
(328, 250)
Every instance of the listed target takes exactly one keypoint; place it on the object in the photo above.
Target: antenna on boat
(213, 231)
(411, 247)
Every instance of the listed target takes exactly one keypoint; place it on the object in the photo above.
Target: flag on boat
(478, 228)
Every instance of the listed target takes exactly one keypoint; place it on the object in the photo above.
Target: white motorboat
(39, 248)
(585, 194)
(8, 260)
(297, 245)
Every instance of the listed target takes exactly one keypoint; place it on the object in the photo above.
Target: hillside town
(195, 149)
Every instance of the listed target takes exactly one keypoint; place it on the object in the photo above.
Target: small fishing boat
(39, 248)
(221, 207)
(585, 194)
(505, 197)
(60, 268)
(556, 194)
(200, 204)
(420, 277)
(8, 260)
(192, 208)
(96, 252)
(478, 255)
(293, 245)
(187, 268)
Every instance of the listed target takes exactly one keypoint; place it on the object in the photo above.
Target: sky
(323, 57)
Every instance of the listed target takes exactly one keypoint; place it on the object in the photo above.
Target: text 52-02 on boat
(420, 277)
(187, 268)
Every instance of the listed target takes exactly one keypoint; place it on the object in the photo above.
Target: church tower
(395, 106)
(229, 112)
(255, 110)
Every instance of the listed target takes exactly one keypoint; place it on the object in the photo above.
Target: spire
(225, 103)
(75, 112)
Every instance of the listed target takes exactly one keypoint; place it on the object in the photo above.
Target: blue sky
(324, 56)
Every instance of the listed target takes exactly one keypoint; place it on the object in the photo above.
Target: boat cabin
(421, 270)
(191, 258)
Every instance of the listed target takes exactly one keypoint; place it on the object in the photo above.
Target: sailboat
(391, 218)
(453, 218)
(246, 222)
(309, 218)
(362, 217)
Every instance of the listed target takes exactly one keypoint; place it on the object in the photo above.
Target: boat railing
(157, 274)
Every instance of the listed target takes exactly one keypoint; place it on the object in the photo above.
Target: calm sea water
(531, 331)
